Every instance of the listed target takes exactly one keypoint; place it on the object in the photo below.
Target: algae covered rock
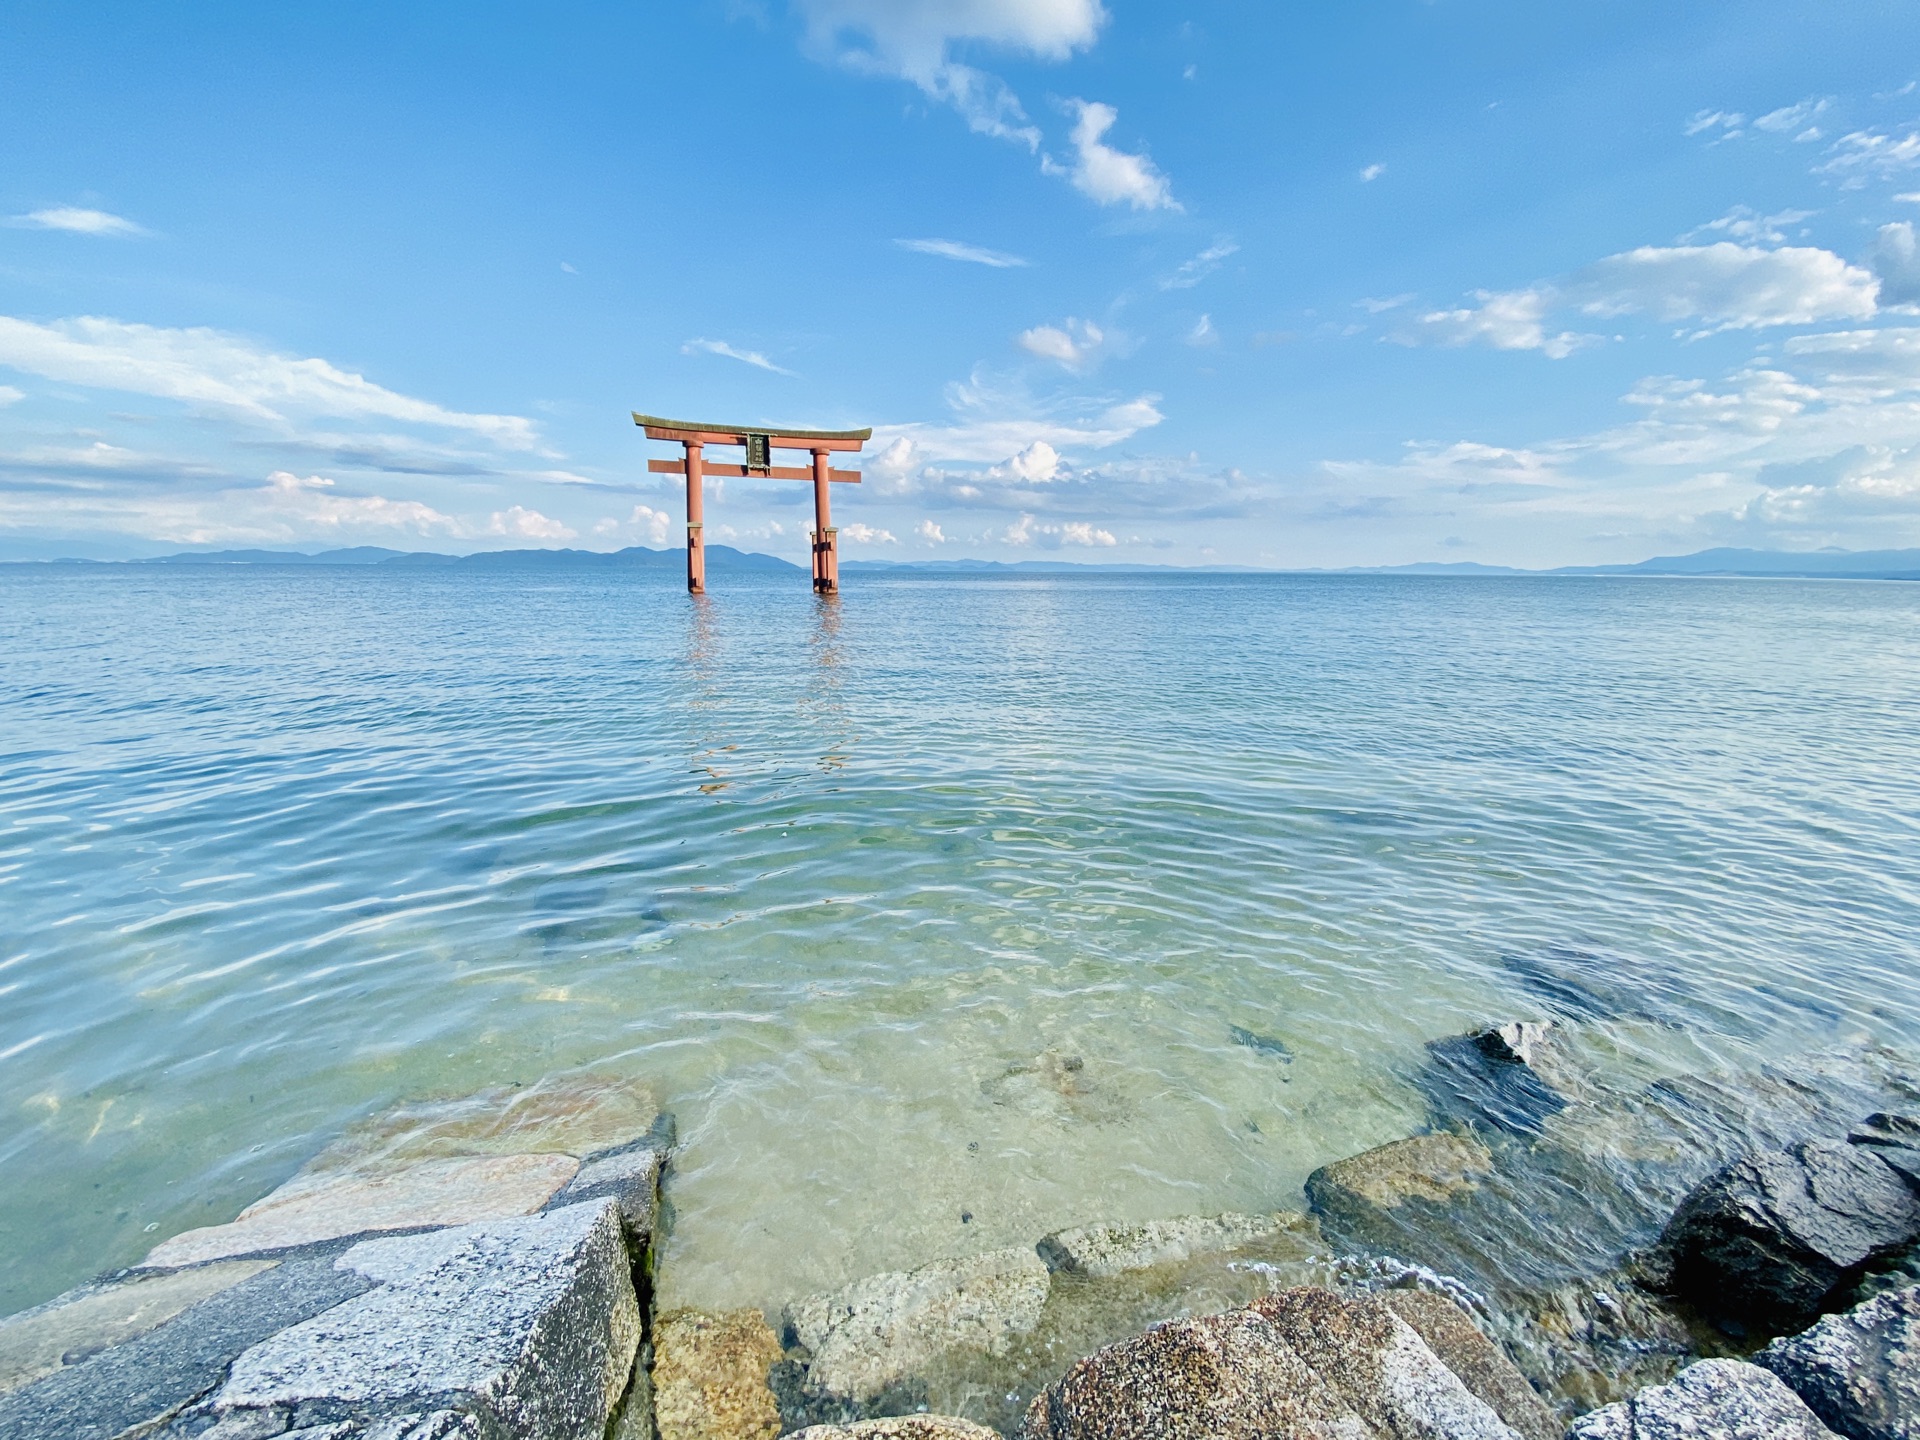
(900, 1427)
(1859, 1371)
(1765, 1241)
(868, 1340)
(1481, 1365)
(1380, 1366)
(1220, 1377)
(1422, 1167)
(1713, 1400)
(710, 1376)
(1102, 1251)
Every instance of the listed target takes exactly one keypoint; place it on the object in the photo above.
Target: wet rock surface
(1713, 1400)
(1106, 1250)
(1858, 1371)
(1500, 1079)
(1895, 1139)
(1482, 1366)
(1434, 1168)
(710, 1376)
(1765, 1241)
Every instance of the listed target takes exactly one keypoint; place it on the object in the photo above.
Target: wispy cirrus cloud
(77, 220)
(970, 254)
(745, 357)
(1190, 273)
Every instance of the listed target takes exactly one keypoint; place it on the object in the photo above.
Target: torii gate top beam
(658, 428)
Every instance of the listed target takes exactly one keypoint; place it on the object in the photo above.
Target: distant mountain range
(724, 559)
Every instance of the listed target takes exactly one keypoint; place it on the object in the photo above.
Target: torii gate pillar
(826, 539)
(696, 522)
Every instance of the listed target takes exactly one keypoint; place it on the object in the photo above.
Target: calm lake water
(849, 887)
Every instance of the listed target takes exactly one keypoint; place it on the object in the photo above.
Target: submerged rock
(1423, 1167)
(1859, 1371)
(1895, 1139)
(1497, 1078)
(1221, 1377)
(710, 1376)
(530, 1324)
(900, 1427)
(1765, 1241)
(1102, 1251)
(1483, 1367)
(326, 1206)
(1713, 1400)
(1380, 1366)
(867, 1341)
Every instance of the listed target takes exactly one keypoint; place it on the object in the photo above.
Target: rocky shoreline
(1728, 1255)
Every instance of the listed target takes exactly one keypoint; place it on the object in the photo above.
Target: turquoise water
(847, 886)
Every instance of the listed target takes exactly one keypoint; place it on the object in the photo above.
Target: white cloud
(1035, 465)
(11, 396)
(1749, 225)
(1075, 346)
(1104, 174)
(864, 534)
(1372, 173)
(524, 524)
(207, 367)
(1026, 531)
(77, 220)
(1789, 117)
(1380, 307)
(1192, 272)
(645, 523)
(1728, 286)
(914, 40)
(1203, 333)
(721, 347)
(928, 531)
(1864, 154)
(1727, 122)
(1081, 532)
(992, 420)
(956, 250)
(1896, 260)
(1508, 320)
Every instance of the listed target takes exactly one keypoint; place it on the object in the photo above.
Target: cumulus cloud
(1035, 465)
(955, 250)
(1104, 174)
(77, 220)
(865, 534)
(1728, 286)
(930, 532)
(915, 40)
(745, 357)
(644, 524)
(1505, 320)
(1191, 272)
(1027, 531)
(1896, 260)
(210, 368)
(524, 524)
(1074, 346)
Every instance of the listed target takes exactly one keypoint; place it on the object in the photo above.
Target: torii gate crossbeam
(759, 446)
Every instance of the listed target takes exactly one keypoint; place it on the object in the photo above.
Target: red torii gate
(759, 445)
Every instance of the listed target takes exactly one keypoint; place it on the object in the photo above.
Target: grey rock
(1107, 1250)
(630, 1176)
(1220, 1377)
(160, 1373)
(900, 1427)
(1435, 1168)
(1483, 1367)
(1859, 1371)
(1493, 1078)
(439, 1425)
(869, 1338)
(1764, 1242)
(532, 1322)
(1713, 1400)
(1895, 1139)
(1380, 1366)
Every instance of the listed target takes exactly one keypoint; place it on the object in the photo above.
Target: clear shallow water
(847, 887)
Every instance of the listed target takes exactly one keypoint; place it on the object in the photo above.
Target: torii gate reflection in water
(759, 445)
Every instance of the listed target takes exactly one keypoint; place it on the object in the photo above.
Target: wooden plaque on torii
(759, 445)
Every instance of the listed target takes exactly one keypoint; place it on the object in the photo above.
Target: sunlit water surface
(849, 886)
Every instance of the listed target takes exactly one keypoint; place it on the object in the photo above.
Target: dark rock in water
(1860, 1371)
(1895, 1139)
(1586, 985)
(1264, 1044)
(1492, 1079)
(1221, 1377)
(1379, 1365)
(1764, 1242)
(1713, 1400)
(1481, 1365)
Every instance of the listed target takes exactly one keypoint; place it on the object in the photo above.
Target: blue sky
(1264, 283)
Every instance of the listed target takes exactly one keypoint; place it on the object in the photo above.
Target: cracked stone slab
(1712, 1400)
(82, 1323)
(629, 1175)
(877, 1332)
(1859, 1371)
(312, 1208)
(146, 1380)
(532, 1322)
(1102, 1251)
